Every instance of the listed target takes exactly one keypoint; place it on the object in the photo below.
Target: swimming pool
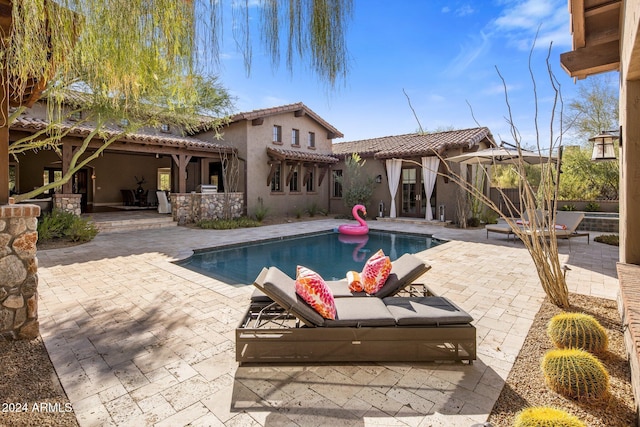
(329, 253)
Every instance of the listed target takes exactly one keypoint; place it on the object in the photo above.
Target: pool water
(330, 254)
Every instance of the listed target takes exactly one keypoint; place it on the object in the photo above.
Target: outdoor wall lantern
(603, 147)
(378, 179)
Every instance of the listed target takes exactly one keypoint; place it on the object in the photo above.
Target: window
(337, 185)
(294, 185)
(310, 183)
(76, 115)
(164, 179)
(277, 134)
(13, 178)
(276, 186)
(295, 137)
(50, 175)
(312, 140)
(164, 127)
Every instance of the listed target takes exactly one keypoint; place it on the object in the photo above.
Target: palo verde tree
(142, 59)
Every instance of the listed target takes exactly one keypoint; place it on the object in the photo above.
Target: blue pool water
(330, 254)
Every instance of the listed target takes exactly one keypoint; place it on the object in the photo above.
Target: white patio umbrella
(501, 156)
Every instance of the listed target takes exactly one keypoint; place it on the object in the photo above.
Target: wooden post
(4, 137)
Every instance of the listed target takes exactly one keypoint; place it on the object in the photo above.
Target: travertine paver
(137, 340)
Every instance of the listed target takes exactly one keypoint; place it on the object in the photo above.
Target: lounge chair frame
(269, 333)
(260, 339)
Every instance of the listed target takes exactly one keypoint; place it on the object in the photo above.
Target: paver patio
(137, 340)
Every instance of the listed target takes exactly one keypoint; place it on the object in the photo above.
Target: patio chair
(567, 223)
(164, 206)
(404, 271)
(392, 329)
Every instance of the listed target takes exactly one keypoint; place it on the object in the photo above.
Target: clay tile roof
(413, 144)
(304, 156)
(33, 124)
(289, 108)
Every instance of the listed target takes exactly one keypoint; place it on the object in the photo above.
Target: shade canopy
(502, 156)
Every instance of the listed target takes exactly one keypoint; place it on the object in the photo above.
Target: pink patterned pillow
(375, 272)
(316, 293)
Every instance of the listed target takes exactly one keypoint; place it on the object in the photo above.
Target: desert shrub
(473, 222)
(543, 416)
(608, 239)
(313, 209)
(227, 224)
(592, 207)
(489, 217)
(576, 374)
(261, 210)
(59, 224)
(577, 330)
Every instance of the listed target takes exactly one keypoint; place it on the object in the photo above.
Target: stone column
(18, 271)
(68, 203)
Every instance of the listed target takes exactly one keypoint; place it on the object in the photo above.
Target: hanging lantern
(603, 147)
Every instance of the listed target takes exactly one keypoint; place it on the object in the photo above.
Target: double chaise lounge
(567, 223)
(280, 326)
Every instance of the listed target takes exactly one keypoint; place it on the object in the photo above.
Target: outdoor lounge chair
(404, 271)
(392, 329)
(164, 206)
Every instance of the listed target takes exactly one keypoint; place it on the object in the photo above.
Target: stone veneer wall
(18, 271)
(68, 203)
(187, 208)
(629, 307)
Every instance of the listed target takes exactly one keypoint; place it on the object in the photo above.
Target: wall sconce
(93, 175)
(603, 147)
(378, 179)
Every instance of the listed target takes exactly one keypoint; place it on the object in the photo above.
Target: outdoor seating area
(566, 226)
(366, 329)
(168, 342)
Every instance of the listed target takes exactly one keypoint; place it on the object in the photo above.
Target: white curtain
(429, 174)
(394, 169)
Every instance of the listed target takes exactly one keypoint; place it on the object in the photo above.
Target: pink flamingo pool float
(356, 230)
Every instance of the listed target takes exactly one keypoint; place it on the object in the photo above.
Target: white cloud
(468, 54)
(520, 20)
(465, 10)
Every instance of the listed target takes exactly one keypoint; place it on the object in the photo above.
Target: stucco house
(406, 170)
(286, 157)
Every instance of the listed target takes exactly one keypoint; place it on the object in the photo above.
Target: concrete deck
(137, 340)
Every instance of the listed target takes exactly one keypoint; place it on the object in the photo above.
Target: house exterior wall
(252, 142)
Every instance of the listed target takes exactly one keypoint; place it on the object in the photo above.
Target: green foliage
(608, 239)
(261, 210)
(576, 374)
(489, 217)
(508, 176)
(473, 221)
(543, 416)
(65, 225)
(357, 189)
(313, 209)
(594, 109)
(298, 212)
(584, 179)
(568, 207)
(577, 330)
(227, 224)
(592, 207)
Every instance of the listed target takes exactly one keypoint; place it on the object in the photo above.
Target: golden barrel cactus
(575, 373)
(577, 330)
(544, 416)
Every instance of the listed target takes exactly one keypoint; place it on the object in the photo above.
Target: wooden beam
(292, 170)
(298, 113)
(181, 160)
(4, 136)
(583, 62)
(272, 171)
(67, 154)
(257, 122)
(576, 9)
(322, 173)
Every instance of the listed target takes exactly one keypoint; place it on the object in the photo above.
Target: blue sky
(444, 54)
